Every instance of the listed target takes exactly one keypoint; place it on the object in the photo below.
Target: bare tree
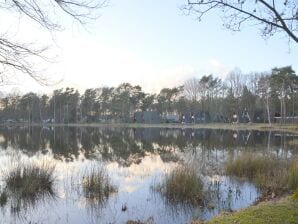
(22, 57)
(192, 89)
(272, 16)
(235, 81)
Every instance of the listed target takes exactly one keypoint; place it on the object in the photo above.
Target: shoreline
(275, 211)
(293, 128)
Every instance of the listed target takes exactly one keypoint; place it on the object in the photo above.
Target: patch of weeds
(182, 185)
(97, 184)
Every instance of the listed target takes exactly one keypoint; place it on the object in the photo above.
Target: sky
(149, 43)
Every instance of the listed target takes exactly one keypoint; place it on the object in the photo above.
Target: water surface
(136, 160)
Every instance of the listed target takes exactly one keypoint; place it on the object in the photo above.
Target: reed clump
(30, 180)
(182, 185)
(271, 174)
(97, 184)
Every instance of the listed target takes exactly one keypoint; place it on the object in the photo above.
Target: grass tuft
(97, 184)
(182, 185)
(30, 180)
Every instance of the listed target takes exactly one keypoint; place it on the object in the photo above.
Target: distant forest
(254, 97)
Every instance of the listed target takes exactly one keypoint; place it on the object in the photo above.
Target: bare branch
(271, 15)
(16, 57)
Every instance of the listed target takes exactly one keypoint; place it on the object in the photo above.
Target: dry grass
(30, 180)
(293, 174)
(272, 175)
(97, 184)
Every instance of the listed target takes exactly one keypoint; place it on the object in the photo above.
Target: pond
(136, 161)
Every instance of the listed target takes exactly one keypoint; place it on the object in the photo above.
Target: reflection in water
(135, 159)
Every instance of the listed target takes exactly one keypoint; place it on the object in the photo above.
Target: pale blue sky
(153, 44)
(159, 32)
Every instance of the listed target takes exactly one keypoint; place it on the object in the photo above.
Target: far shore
(293, 128)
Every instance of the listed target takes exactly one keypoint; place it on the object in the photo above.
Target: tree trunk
(268, 110)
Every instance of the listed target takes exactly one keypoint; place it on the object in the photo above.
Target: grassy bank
(283, 211)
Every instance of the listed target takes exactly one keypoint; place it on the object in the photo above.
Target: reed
(97, 184)
(182, 185)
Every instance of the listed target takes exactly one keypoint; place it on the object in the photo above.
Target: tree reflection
(129, 145)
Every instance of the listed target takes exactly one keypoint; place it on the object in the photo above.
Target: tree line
(253, 97)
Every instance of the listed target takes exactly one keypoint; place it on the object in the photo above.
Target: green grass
(30, 180)
(182, 185)
(284, 211)
(270, 174)
(97, 184)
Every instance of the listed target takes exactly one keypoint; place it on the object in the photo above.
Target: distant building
(147, 117)
(286, 120)
(171, 118)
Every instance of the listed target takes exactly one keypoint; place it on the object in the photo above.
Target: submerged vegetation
(97, 185)
(182, 185)
(271, 174)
